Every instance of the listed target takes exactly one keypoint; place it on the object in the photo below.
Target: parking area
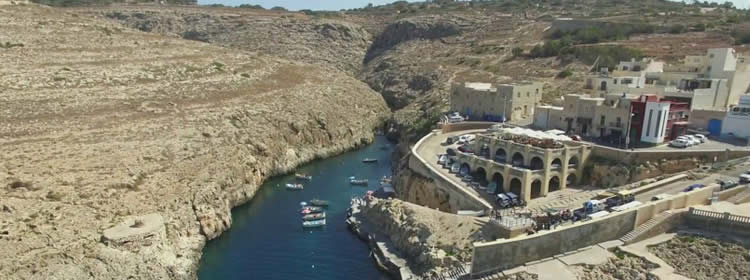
(708, 145)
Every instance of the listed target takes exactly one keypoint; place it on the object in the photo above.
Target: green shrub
(564, 74)
(676, 29)
(251, 6)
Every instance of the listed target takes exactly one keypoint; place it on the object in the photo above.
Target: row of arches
(536, 163)
(516, 186)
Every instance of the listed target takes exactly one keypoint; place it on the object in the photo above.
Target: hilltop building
(713, 81)
(498, 102)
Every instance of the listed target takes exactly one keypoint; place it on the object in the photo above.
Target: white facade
(655, 122)
(737, 121)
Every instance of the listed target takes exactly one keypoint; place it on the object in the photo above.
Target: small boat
(313, 217)
(319, 202)
(355, 181)
(311, 210)
(302, 177)
(294, 187)
(370, 160)
(317, 223)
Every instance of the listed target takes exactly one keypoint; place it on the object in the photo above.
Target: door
(714, 127)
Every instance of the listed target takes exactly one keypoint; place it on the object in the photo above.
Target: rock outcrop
(606, 174)
(704, 258)
(328, 42)
(123, 151)
(625, 267)
(417, 189)
(429, 239)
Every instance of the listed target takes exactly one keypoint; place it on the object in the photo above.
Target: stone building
(526, 162)
(498, 102)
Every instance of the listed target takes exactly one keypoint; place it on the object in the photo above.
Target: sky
(335, 5)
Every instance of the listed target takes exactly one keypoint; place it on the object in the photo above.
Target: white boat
(316, 223)
(294, 187)
(303, 177)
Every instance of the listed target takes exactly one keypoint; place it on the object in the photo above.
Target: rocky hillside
(331, 43)
(123, 151)
(429, 239)
(704, 258)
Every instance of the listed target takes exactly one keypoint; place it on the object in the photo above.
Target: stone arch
(536, 188)
(556, 163)
(517, 159)
(500, 155)
(536, 163)
(465, 169)
(554, 184)
(573, 161)
(498, 179)
(516, 186)
(480, 175)
(572, 179)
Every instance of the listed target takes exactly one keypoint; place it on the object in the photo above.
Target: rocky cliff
(430, 240)
(123, 152)
(329, 42)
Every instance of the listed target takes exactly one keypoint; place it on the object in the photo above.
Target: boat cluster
(298, 186)
(313, 213)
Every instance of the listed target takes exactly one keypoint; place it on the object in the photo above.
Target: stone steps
(635, 233)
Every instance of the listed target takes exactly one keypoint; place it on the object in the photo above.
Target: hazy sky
(336, 5)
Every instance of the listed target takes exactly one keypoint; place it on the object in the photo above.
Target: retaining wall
(680, 200)
(450, 127)
(458, 197)
(634, 157)
(504, 254)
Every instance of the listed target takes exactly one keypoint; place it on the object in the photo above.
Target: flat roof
(478, 86)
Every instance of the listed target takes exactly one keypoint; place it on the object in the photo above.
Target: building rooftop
(478, 86)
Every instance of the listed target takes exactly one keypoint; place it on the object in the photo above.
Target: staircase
(741, 197)
(636, 233)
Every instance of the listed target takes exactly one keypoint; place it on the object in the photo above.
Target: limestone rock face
(331, 43)
(430, 240)
(419, 190)
(102, 126)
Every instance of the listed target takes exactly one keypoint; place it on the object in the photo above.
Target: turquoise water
(267, 241)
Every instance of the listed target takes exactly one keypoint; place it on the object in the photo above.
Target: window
(537, 91)
(602, 121)
(648, 128)
(658, 124)
(711, 55)
(619, 121)
(615, 81)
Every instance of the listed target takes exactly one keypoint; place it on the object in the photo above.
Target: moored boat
(316, 223)
(319, 202)
(315, 216)
(369, 160)
(294, 186)
(361, 182)
(300, 176)
(311, 210)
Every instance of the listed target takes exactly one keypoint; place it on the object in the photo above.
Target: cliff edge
(122, 152)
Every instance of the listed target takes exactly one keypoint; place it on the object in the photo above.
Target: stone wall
(505, 254)
(633, 157)
(680, 200)
(450, 127)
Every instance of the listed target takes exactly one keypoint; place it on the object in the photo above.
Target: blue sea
(267, 241)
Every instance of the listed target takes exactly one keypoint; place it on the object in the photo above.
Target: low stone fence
(681, 200)
(718, 222)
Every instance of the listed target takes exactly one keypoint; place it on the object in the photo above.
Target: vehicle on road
(693, 187)
(745, 178)
(589, 207)
(514, 199)
(660, 196)
(679, 143)
(727, 184)
(621, 198)
(467, 178)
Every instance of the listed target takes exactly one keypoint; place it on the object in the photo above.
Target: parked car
(450, 140)
(693, 187)
(727, 184)
(442, 159)
(745, 178)
(692, 139)
(455, 168)
(700, 137)
(466, 149)
(467, 178)
(679, 143)
(450, 152)
(503, 201)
